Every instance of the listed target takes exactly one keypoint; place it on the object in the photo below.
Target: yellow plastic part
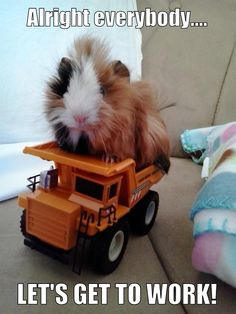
(51, 151)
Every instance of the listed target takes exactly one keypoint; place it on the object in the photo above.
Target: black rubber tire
(143, 214)
(100, 253)
(23, 223)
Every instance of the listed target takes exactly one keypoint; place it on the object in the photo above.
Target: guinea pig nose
(80, 118)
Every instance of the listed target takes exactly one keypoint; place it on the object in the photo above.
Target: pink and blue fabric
(214, 210)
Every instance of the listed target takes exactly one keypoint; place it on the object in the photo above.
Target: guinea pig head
(74, 96)
(81, 95)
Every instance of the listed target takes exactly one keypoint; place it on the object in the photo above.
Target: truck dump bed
(51, 151)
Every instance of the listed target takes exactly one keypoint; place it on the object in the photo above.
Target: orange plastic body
(87, 187)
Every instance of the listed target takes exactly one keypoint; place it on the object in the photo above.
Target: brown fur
(129, 122)
(130, 125)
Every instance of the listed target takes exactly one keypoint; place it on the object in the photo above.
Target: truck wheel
(23, 223)
(143, 214)
(108, 247)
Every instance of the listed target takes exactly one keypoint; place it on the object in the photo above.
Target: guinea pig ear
(121, 70)
(65, 69)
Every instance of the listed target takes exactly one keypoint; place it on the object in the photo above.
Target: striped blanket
(214, 210)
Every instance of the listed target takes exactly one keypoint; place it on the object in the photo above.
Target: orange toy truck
(85, 198)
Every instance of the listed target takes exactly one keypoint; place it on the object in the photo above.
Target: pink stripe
(229, 132)
(206, 252)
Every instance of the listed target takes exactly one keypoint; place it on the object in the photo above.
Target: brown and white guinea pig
(94, 108)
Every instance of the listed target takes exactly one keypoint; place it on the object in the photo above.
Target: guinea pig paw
(109, 158)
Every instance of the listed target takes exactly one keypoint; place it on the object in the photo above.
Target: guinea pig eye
(102, 90)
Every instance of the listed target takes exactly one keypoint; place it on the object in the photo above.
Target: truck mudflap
(61, 255)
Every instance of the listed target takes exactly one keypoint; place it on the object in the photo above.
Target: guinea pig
(94, 108)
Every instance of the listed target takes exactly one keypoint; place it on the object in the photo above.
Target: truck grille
(48, 224)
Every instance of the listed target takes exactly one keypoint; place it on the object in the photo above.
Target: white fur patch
(83, 96)
(74, 136)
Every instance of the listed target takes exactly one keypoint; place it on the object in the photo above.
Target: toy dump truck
(85, 198)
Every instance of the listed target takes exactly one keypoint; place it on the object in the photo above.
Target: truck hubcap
(150, 212)
(116, 245)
